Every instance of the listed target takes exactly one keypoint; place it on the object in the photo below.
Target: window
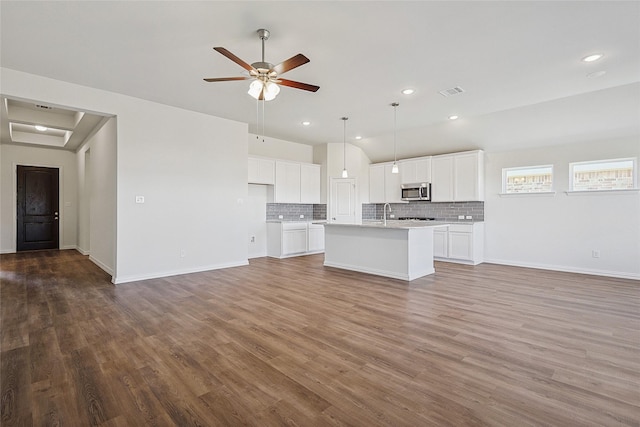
(531, 179)
(616, 174)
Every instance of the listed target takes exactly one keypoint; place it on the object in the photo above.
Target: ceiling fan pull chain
(263, 102)
(257, 119)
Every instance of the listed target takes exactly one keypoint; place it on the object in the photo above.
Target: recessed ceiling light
(41, 128)
(593, 57)
(596, 74)
(454, 117)
(408, 91)
(358, 137)
(305, 123)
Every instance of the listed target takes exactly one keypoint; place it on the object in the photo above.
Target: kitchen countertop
(313, 221)
(397, 224)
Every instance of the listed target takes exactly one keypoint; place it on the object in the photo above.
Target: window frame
(634, 175)
(527, 193)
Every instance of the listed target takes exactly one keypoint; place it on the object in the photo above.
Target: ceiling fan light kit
(266, 81)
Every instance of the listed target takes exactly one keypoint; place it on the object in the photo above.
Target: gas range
(415, 218)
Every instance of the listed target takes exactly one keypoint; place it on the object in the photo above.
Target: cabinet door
(309, 183)
(316, 238)
(442, 178)
(287, 187)
(261, 171)
(440, 240)
(376, 184)
(392, 186)
(294, 238)
(423, 170)
(467, 180)
(416, 170)
(460, 245)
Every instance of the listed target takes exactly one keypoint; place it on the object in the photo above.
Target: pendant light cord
(395, 125)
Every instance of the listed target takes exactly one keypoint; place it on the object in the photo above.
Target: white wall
(279, 149)
(97, 197)
(559, 232)
(191, 168)
(257, 220)
(12, 155)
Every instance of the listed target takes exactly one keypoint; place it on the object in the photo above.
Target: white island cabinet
(400, 251)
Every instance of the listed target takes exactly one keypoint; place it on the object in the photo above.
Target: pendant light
(394, 169)
(345, 174)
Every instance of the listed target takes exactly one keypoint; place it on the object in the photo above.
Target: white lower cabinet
(440, 240)
(462, 243)
(315, 238)
(286, 239)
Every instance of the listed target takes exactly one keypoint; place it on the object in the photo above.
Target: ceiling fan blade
(291, 63)
(227, 79)
(298, 85)
(234, 58)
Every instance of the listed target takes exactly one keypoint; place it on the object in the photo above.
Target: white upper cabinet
(262, 171)
(442, 178)
(392, 185)
(457, 177)
(415, 170)
(294, 182)
(287, 187)
(376, 184)
(309, 183)
(384, 186)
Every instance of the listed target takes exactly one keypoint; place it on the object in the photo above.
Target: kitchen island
(398, 249)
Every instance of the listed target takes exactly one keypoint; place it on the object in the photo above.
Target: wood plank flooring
(290, 342)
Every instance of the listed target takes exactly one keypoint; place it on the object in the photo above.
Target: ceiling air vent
(450, 92)
(43, 107)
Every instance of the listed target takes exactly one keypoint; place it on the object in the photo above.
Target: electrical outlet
(301, 216)
(595, 253)
(460, 216)
(253, 239)
(392, 216)
(139, 199)
(468, 217)
(280, 216)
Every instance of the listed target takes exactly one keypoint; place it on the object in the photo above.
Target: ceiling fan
(264, 74)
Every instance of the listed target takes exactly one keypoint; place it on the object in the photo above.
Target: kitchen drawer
(294, 226)
(461, 228)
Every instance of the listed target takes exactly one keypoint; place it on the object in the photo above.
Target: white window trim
(635, 188)
(602, 192)
(528, 193)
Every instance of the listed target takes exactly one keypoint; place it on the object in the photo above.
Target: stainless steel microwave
(418, 191)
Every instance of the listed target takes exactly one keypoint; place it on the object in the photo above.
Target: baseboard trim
(566, 269)
(102, 265)
(136, 278)
(82, 251)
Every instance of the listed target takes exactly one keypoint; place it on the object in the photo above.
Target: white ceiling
(518, 62)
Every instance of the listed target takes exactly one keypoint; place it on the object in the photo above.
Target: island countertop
(392, 224)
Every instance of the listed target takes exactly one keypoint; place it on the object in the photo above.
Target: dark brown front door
(37, 208)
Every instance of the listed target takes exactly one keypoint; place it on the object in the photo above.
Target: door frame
(14, 201)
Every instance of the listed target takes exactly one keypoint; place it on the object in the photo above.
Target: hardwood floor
(289, 342)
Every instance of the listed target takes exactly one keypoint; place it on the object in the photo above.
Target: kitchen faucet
(384, 212)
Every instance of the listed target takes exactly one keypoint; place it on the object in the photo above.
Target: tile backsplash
(445, 211)
(292, 211)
